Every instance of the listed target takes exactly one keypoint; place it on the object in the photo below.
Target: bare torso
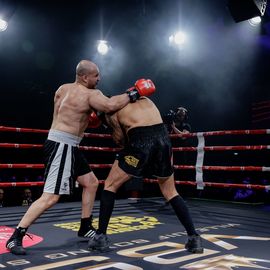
(72, 108)
(143, 112)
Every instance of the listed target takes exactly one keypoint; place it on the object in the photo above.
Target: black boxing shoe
(100, 242)
(14, 243)
(86, 228)
(194, 244)
(88, 232)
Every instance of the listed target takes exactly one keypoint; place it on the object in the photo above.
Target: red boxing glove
(143, 87)
(94, 121)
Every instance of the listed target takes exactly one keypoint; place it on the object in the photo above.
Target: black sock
(86, 222)
(105, 211)
(182, 213)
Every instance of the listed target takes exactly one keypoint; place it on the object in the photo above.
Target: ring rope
(88, 148)
(182, 167)
(223, 132)
(192, 183)
(224, 168)
(32, 130)
(27, 130)
(176, 149)
(211, 184)
(21, 184)
(41, 166)
(207, 133)
(222, 148)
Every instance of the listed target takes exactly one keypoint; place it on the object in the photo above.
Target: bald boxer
(73, 103)
(147, 149)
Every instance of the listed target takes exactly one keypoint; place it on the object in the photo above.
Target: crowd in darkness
(17, 196)
(13, 196)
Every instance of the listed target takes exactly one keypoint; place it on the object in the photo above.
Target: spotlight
(178, 38)
(7, 9)
(103, 47)
(255, 21)
(3, 25)
(242, 10)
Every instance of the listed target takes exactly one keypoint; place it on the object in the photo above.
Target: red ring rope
(192, 183)
(176, 149)
(207, 133)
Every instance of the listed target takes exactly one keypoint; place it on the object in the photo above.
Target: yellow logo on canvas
(119, 224)
(132, 161)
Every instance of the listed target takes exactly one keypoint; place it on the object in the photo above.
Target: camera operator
(180, 125)
(176, 121)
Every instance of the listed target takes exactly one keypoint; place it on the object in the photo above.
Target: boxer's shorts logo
(131, 161)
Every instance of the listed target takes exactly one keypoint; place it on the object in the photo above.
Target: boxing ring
(145, 233)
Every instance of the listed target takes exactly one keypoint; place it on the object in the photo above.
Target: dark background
(217, 75)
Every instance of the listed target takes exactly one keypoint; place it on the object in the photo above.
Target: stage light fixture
(3, 25)
(178, 38)
(242, 10)
(102, 47)
(255, 21)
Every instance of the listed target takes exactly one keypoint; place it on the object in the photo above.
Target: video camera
(170, 117)
(180, 114)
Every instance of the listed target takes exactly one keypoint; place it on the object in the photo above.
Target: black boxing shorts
(64, 162)
(147, 152)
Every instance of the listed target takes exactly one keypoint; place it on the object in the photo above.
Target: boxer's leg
(170, 193)
(38, 207)
(114, 180)
(89, 183)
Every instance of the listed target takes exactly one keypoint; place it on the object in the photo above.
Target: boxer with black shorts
(74, 105)
(148, 151)
(139, 129)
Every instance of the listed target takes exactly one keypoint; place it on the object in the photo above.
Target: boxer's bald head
(87, 73)
(84, 67)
